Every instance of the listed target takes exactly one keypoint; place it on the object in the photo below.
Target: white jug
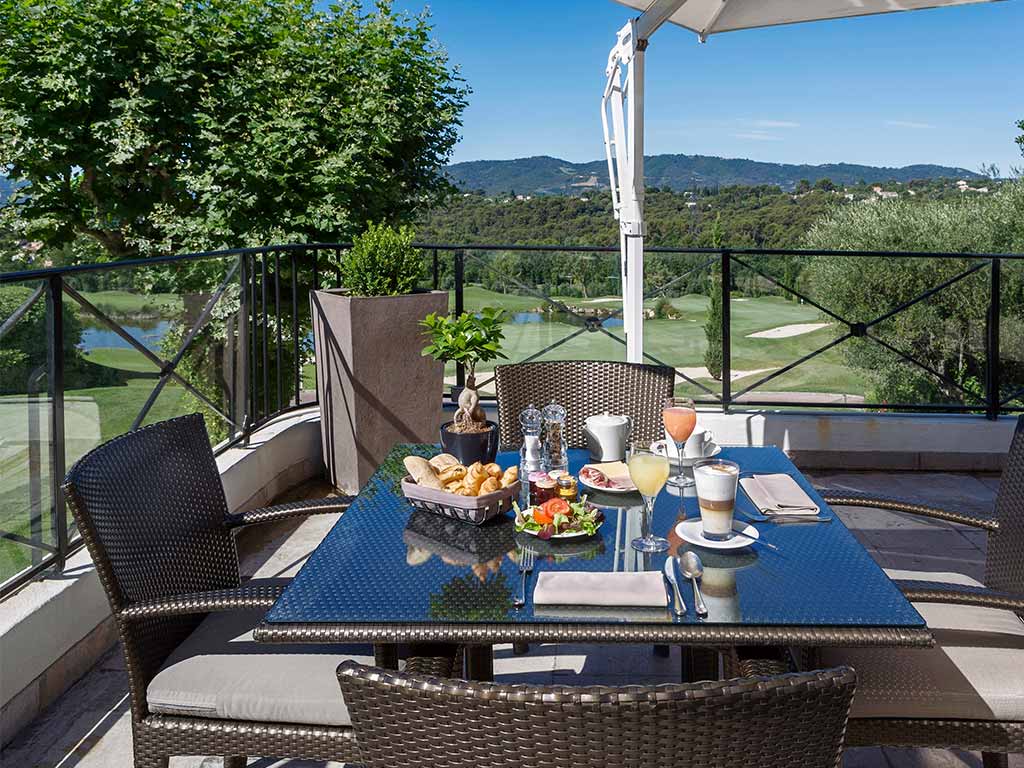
(607, 436)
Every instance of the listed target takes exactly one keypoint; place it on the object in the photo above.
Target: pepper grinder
(556, 451)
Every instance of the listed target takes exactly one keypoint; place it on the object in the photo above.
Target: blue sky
(942, 86)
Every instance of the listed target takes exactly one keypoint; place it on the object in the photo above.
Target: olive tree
(944, 332)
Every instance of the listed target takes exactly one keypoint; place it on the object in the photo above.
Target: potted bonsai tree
(375, 389)
(469, 339)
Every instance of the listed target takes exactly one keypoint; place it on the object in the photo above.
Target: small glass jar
(542, 488)
(567, 488)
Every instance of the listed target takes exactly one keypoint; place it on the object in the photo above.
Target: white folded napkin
(585, 613)
(621, 588)
(778, 494)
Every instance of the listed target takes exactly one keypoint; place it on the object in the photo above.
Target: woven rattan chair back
(1004, 565)
(409, 722)
(151, 510)
(151, 507)
(583, 388)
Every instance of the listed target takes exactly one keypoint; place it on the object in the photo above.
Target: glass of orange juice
(680, 418)
(648, 470)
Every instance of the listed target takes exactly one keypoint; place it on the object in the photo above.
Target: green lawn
(123, 359)
(120, 303)
(681, 342)
(91, 416)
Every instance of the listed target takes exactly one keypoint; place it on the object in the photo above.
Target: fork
(526, 558)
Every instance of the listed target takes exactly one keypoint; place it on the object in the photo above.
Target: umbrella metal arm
(622, 118)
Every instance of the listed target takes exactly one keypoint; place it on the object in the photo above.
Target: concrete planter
(374, 386)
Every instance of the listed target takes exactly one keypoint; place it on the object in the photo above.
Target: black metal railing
(257, 298)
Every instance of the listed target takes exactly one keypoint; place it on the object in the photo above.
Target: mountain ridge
(544, 174)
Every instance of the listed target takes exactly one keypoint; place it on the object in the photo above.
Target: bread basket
(469, 509)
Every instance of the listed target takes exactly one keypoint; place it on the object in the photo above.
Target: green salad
(557, 517)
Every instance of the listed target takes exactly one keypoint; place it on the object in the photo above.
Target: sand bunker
(700, 372)
(785, 331)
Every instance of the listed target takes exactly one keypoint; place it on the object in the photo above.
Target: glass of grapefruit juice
(680, 418)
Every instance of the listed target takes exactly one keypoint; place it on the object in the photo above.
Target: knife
(679, 607)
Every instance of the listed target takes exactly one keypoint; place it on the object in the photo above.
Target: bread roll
(465, 492)
(490, 485)
(493, 470)
(454, 472)
(453, 486)
(472, 484)
(422, 472)
(476, 469)
(510, 476)
(443, 461)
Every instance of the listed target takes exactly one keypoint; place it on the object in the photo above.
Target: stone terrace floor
(89, 727)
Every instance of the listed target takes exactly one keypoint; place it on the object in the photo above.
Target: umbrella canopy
(709, 17)
(622, 105)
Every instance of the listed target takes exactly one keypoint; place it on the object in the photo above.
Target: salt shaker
(531, 456)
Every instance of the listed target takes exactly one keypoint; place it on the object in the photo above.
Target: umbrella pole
(624, 148)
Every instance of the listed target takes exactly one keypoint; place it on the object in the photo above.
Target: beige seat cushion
(221, 672)
(975, 671)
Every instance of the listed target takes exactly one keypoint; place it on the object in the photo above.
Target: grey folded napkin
(622, 588)
(778, 494)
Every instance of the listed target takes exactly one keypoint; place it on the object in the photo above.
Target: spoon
(693, 569)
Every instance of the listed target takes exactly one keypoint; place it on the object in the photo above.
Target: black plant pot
(471, 446)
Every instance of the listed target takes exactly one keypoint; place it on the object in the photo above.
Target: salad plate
(558, 519)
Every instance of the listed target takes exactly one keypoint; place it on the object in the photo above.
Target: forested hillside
(748, 216)
(550, 175)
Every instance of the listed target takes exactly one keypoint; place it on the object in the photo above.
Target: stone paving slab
(90, 726)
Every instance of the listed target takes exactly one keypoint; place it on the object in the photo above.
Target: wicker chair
(405, 721)
(152, 511)
(968, 691)
(583, 388)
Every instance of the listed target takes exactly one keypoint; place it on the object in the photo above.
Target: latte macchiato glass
(716, 496)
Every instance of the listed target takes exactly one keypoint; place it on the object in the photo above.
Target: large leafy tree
(156, 126)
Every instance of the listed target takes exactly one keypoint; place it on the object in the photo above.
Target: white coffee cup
(694, 448)
(607, 435)
(697, 443)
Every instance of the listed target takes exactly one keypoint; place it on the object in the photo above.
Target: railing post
(992, 368)
(244, 343)
(55, 377)
(460, 276)
(437, 272)
(726, 331)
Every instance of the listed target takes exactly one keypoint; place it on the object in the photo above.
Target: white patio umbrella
(622, 106)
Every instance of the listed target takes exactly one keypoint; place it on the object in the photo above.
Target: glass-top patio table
(387, 574)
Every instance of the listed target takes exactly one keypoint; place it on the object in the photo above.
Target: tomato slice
(541, 517)
(555, 507)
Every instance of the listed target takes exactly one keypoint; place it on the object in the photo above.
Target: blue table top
(385, 563)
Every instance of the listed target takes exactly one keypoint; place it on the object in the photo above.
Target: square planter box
(374, 386)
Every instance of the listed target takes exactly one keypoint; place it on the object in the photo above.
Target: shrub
(381, 262)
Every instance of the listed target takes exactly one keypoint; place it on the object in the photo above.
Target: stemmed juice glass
(679, 416)
(648, 470)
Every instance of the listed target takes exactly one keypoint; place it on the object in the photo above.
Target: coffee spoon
(693, 569)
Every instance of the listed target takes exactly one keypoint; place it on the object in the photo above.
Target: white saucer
(711, 448)
(692, 531)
